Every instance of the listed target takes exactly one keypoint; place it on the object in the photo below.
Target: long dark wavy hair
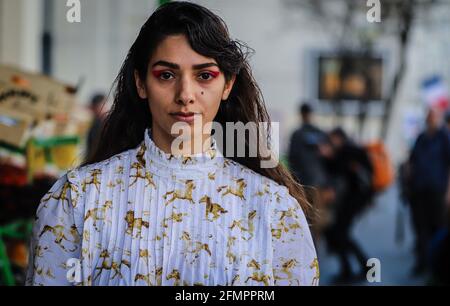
(208, 35)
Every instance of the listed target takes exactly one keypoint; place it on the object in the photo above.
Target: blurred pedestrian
(97, 107)
(429, 169)
(308, 147)
(351, 167)
(304, 155)
(447, 120)
(447, 196)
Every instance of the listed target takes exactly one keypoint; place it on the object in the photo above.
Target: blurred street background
(360, 90)
(374, 231)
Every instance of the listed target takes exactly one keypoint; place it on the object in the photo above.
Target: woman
(138, 213)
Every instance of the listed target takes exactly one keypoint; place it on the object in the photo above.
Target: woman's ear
(228, 87)
(142, 92)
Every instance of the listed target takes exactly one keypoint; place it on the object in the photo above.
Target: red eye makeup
(166, 75)
(214, 74)
(159, 73)
(209, 75)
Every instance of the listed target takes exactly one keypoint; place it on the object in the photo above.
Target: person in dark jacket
(447, 120)
(352, 168)
(96, 105)
(308, 148)
(429, 169)
(304, 152)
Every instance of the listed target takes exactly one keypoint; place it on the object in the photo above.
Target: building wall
(20, 32)
(93, 50)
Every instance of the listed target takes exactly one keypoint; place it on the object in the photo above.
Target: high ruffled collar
(194, 165)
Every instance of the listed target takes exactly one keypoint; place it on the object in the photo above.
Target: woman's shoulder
(109, 165)
(257, 181)
(235, 169)
(273, 195)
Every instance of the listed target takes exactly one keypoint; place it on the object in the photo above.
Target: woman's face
(180, 82)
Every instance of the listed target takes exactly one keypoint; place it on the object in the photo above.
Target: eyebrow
(176, 66)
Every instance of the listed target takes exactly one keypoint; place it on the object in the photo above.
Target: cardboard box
(22, 100)
(14, 127)
(34, 94)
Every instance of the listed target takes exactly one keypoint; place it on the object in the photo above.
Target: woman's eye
(166, 76)
(163, 75)
(205, 76)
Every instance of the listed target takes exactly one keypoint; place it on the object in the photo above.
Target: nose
(185, 92)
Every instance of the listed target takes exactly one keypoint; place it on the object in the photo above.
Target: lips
(184, 116)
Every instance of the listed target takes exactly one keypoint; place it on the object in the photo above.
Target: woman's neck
(181, 145)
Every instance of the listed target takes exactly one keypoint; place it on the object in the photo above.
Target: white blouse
(145, 217)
